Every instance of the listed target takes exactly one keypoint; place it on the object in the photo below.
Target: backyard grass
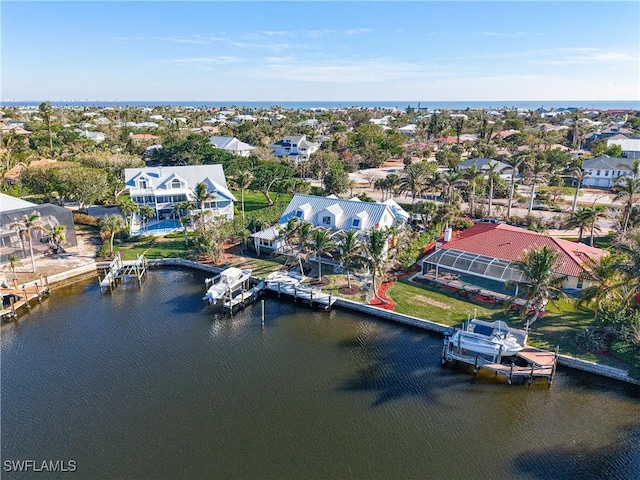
(256, 200)
(152, 248)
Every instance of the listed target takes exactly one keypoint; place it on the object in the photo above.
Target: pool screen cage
(471, 263)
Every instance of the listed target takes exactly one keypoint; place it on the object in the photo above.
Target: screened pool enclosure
(471, 269)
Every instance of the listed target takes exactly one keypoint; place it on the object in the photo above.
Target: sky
(330, 51)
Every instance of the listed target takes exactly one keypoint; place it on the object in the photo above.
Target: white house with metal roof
(630, 144)
(295, 147)
(334, 214)
(604, 171)
(232, 145)
(162, 187)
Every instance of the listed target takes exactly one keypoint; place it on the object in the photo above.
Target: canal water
(146, 383)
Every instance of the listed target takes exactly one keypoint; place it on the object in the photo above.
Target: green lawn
(152, 247)
(256, 200)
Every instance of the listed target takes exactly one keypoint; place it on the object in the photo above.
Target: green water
(147, 383)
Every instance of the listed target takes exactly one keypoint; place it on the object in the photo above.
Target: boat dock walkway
(20, 296)
(117, 269)
(291, 285)
(529, 363)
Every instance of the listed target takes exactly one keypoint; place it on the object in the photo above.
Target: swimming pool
(163, 226)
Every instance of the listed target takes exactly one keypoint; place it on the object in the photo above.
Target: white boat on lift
(225, 283)
(493, 339)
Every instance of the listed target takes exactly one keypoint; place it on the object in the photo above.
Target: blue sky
(296, 51)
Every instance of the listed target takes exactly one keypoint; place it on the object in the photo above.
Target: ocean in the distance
(306, 105)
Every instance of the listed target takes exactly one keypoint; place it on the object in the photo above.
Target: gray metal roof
(483, 164)
(8, 203)
(158, 177)
(350, 210)
(230, 144)
(605, 162)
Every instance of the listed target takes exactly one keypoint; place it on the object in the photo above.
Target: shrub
(104, 250)
(84, 219)
(408, 256)
(461, 223)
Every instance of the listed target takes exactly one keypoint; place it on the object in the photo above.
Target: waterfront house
(604, 171)
(334, 214)
(232, 145)
(295, 148)
(162, 187)
(483, 164)
(482, 256)
(13, 210)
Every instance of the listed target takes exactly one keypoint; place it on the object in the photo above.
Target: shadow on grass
(610, 462)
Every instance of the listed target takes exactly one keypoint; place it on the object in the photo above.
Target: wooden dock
(529, 363)
(13, 299)
(292, 287)
(245, 297)
(118, 269)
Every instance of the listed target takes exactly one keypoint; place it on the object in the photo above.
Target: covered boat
(225, 283)
(490, 339)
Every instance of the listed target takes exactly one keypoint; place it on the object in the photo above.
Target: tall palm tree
(596, 212)
(579, 219)
(322, 244)
(578, 175)
(450, 183)
(537, 173)
(14, 261)
(627, 188)
(146, 212)
(472, 175)
(26, 227)
(413, 179)
(47, 111)
(242, 180)
(303, 235)
(129, 208)
(492, 174)
(109, 226)
(375, 254)
(202, 196)
(514, 163)
(540, 282)
(350, 251)
(606, 277)
(179, 209)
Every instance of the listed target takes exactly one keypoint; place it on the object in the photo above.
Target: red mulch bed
(483, 299)
(322, 281)
(349, 291)
(382, 290)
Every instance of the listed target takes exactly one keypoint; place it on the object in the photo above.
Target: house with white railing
(163, 187)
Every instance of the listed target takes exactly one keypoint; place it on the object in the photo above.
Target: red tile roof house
(482, 256)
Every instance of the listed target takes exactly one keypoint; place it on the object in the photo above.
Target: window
(299, 213)
(580, 283)
(326, 220)
(266, 243)
(176, 183)
(356, 222)
(598, 173)
(142, 183)
(606, 173)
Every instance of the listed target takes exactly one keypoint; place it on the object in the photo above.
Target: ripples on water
(147, 383)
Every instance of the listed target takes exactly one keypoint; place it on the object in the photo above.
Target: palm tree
(450, 182)
(350, 250)
(492, 174)
(579, 219)
(242, 181)
(375, 253)
(202, 196)
(58, 236)
(540, 282)
(109, 226)
(129, 208)
(628, 189)
(146, 212)
(578, 174)
(305, 230)
(606, 278)
(178, 209)
(25, 227)
(14, 262)
(537, 172)
(413, 179)
(472, 175)
(514, 163)
(595, 213)
(47, 111)
(458, 125)
(322, 245)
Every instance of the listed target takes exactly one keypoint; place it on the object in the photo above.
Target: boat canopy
(474, 264)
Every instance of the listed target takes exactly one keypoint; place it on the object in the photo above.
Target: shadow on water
(609, 462)
(399, 366)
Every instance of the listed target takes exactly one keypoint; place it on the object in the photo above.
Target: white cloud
(357, 31)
